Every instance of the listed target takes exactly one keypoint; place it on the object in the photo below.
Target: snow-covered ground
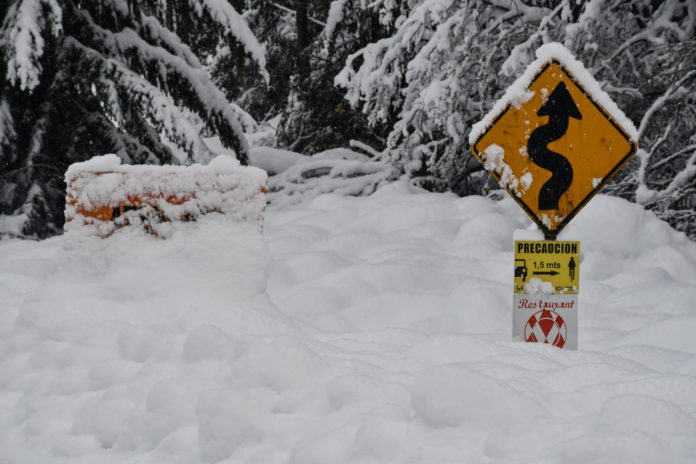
(354, 330)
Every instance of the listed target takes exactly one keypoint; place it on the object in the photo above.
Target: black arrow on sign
(559, 107)
(552, 273)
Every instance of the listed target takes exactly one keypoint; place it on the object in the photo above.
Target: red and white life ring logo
(546, 327)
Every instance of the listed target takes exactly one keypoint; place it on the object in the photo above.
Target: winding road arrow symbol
(559, 107)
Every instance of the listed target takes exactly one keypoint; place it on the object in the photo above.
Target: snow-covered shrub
(340, 171)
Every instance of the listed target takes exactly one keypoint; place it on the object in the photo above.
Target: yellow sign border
(548, 232)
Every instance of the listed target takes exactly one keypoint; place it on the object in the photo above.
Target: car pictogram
(521, 269)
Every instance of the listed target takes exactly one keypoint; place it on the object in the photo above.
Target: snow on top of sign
(526, 180)
(536, 286)
(518, 92)
(103, 163)
(493, 157)
(112, 163)
(550, 219)
(223, 186)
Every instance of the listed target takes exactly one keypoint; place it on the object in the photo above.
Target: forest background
(401, 81)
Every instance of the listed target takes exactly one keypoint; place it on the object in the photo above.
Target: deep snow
(354, 330)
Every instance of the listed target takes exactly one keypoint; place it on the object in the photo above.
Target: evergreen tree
(316, 116)
(448, 62)
(274, 25)
(84, 78)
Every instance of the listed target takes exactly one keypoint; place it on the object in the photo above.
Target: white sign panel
(546, 318)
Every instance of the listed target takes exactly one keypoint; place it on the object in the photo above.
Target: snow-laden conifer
(448, 61)
(80, 79)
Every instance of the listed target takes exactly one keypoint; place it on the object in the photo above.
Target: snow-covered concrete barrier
(104, 195)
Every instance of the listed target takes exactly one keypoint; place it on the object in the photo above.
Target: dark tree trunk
(303, 39)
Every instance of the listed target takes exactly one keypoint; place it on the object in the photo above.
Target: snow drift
(354, 330)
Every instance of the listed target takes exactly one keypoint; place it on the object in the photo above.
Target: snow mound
(373, 329)
(340, 170)
(274, 160)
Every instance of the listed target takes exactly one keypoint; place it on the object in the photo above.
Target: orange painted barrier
(103, 195)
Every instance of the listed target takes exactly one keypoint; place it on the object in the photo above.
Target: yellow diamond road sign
(551, 143)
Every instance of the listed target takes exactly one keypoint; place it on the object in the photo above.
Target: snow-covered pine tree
(317, 117)
(649, 66)
(83, 78)
(448, 61)
(438, 73)
(273, 24)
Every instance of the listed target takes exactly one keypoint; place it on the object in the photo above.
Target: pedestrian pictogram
(571, 269)
(553, 146)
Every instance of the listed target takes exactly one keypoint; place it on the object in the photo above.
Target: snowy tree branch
(22, 38)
